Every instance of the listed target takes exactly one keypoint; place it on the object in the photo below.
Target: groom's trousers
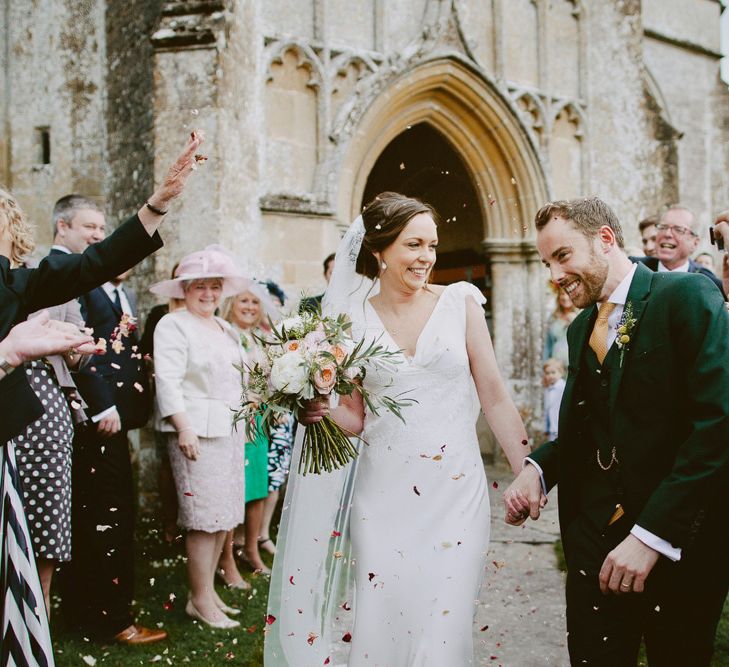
(676, 615)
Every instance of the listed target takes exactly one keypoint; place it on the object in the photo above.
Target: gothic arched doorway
(440, 116)
(421, 163)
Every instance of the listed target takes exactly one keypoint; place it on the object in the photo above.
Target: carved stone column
(517, 307)
(206, 75)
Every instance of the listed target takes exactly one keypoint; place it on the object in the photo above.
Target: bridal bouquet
(307, 357)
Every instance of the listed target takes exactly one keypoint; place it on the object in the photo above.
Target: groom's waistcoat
(599, 490)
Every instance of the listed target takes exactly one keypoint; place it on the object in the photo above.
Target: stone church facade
(485, 108)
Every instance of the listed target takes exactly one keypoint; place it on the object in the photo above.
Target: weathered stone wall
(681, 52)
(55, 80)
(129, 108)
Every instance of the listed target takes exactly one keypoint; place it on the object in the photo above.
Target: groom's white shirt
(619, 297)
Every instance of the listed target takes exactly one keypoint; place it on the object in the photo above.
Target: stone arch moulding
(574, 115)
(305, 56)
(534, 107)
(479, 121)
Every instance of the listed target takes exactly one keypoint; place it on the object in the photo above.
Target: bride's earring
(383, 266)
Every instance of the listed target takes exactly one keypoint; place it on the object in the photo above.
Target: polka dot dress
(44, 463)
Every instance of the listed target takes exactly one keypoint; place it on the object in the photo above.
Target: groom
(643, 448)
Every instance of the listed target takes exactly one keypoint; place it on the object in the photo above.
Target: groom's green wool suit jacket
(668, 406)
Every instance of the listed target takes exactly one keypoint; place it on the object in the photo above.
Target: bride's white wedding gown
(420, 513)
(418, 525)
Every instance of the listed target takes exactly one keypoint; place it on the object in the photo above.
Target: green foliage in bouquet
(310, 357)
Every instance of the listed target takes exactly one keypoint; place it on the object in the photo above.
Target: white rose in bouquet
(289, 373)
(290, 323)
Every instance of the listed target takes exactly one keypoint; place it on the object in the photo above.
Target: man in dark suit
(116, 390)
(643, 448)
(23, 291)
(676, 240)
(312, 304)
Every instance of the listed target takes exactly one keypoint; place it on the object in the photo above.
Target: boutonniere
(625, 330)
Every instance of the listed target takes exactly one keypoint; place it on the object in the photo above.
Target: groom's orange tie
(598, 338)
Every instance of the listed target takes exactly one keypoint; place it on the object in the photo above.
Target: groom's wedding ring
(624, 585)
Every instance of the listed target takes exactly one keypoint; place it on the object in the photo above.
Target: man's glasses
(679, 230)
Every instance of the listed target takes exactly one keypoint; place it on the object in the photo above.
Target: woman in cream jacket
(198, 386)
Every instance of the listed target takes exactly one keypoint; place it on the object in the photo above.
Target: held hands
(627, 566)
(524, 497)
(314, 410)
(188, 443)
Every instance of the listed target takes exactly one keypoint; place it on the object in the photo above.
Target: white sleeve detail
(541, 472)
(656, 543)
(97, 418)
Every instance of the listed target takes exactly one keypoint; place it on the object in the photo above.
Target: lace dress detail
(211, 489)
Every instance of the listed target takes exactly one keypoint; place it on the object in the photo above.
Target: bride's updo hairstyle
(384, 218)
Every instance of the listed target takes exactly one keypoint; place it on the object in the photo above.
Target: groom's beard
(592, 281)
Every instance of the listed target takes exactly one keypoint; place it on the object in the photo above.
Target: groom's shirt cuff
(656, 543)
(541, 473)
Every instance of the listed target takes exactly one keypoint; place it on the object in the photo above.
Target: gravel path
(520, 620)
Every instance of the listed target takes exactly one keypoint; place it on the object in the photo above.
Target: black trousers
(98, 584)
(676, 616)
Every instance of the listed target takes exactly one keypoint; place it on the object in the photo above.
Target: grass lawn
(160, 575)
(721, 646)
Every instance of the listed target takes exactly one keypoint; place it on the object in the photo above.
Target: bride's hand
(524, 497)
(314, 411)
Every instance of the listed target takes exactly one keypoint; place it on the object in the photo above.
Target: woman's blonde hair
(21, 231)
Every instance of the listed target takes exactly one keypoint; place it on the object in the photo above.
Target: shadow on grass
(161, 593)
(721, 644)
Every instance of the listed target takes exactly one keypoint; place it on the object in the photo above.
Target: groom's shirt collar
(620, 293)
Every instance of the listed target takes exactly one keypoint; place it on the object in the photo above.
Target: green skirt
(257, 466)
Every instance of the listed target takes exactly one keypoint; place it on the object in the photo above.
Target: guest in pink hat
(212, 262)
(198, 385)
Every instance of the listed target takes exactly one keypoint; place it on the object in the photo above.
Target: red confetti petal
(270, 619)
(347, 637)
(495, 485)
(484, 628)
(346, 606)
(371, 575)
(168, 605)
(187, 493)
(524, 442)
(326, 662)
(252, 629)
(336, 533)
(311, 638)
(415, 488)
(291, 580)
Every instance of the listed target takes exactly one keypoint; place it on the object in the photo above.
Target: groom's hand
(524, 497)
(627, 567)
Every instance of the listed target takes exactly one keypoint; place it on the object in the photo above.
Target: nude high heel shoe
(223, 624)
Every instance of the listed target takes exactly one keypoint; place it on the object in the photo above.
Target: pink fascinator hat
(212, 262)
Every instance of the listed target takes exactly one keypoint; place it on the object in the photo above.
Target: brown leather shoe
(138, 634)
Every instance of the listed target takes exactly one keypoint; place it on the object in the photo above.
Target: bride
(380, 564)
